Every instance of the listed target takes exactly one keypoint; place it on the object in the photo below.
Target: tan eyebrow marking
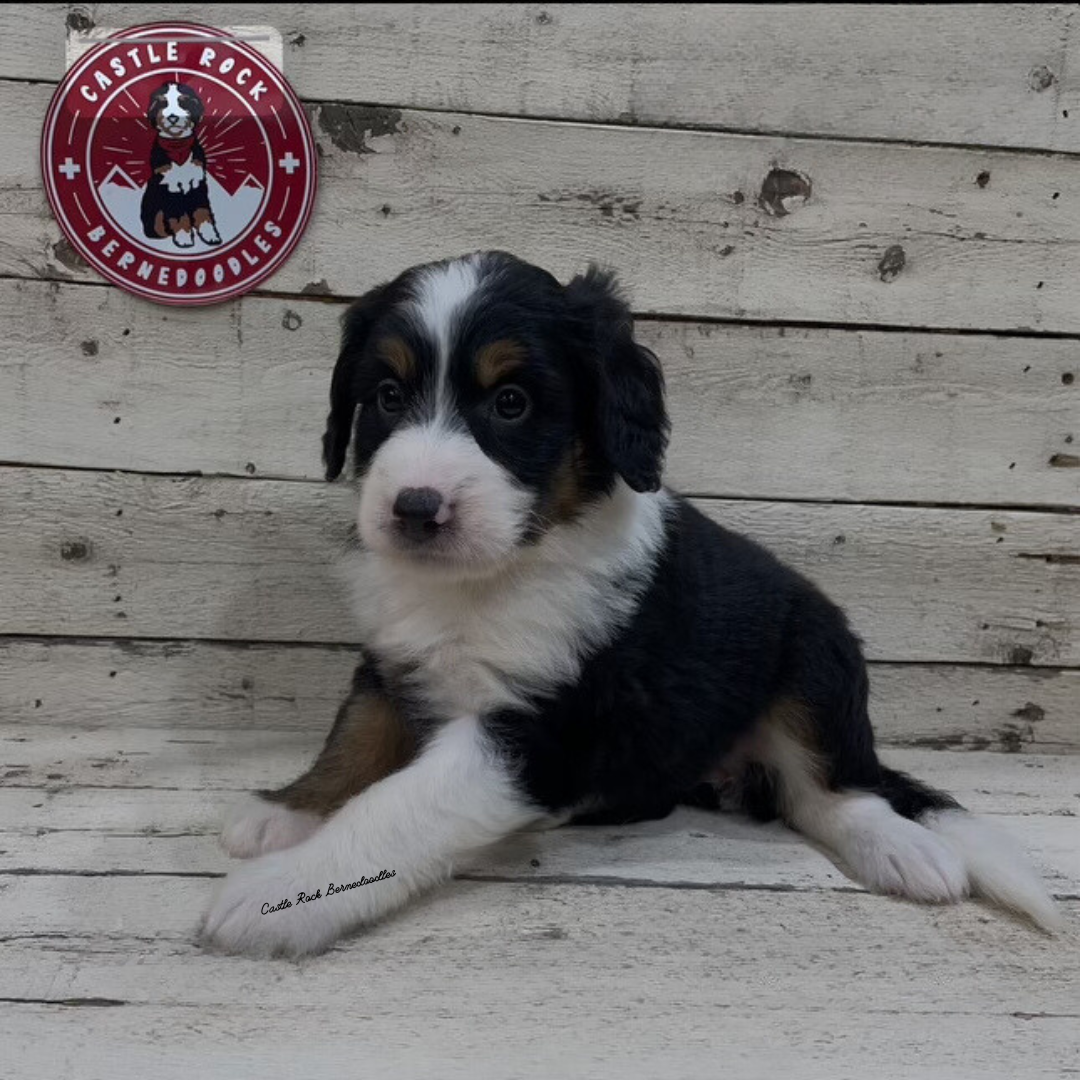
(399, 357)
(496, 360)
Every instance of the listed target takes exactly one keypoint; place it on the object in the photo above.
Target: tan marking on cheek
(497, 360)
(398, 357)
(566, 495)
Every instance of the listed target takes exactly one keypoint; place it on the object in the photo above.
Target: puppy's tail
(996, 868)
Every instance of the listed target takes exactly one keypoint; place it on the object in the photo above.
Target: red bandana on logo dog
(179, 163)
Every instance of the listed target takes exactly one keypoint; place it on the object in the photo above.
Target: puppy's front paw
(257, 826)
(248, 913)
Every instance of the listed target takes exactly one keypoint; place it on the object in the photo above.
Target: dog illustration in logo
(176, 201)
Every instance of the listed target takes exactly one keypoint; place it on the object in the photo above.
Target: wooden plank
(94, 554)
(152, 820)
(175, 685)
(758, 411)
(180, 684)
(126, 909)
(151, 800)
(111, 799)
(477, 962)
(244, 1043)
(159, 831)
(897, 235)
(976, 708)
(867, 71)
(223, 759)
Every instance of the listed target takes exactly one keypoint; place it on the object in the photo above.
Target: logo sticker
(179, 163)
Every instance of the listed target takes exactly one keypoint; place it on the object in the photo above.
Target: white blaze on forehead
(172, 100)
(440, 294)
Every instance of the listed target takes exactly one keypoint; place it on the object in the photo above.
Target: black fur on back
(724, 631)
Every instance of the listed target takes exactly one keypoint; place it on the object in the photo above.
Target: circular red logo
(179, 163)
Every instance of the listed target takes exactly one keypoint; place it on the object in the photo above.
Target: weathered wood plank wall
(878, 379)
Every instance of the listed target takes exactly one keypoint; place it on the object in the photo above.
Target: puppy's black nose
(420, 512)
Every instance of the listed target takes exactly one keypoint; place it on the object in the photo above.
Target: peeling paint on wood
(350, 127)
(68, 256)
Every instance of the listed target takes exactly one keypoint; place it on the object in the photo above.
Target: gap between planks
(343, 300)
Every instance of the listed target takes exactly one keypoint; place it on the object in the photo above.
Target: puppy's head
(488, 404)
(175, 110)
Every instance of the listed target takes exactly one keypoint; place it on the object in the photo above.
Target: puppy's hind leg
(180, 227)
(369, 740)
(206, 227)
(870, 841)
(887, 830)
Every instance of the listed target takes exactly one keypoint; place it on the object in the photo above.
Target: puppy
(176, 200)
(550, 636)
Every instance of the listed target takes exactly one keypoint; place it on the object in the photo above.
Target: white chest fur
(186, 177)
(472, 646)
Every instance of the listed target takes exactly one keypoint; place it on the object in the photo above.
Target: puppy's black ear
(193, 103)
(631, 419)
(157, 100)
(344, 395)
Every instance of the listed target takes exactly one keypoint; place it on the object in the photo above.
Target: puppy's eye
(390, 397)
(511, 403)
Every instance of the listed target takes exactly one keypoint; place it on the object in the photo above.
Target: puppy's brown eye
(390, 396)
(511, 403)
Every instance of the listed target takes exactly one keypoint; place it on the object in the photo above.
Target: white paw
(240, 920)
(208, 234)
(257, 826)
(183, 238)
(889, 854)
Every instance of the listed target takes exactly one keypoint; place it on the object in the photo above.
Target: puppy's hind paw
(209, 235)
(257, 826)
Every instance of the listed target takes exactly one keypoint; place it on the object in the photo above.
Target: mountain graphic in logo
(122, 198)
(120, 179)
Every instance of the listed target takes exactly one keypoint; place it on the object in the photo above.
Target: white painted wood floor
(696, 946)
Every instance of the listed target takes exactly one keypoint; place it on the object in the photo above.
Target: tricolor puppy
(550, 636)
(176, 200)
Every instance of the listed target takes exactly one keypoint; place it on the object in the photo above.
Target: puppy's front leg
(458, 795)
(370, 739)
